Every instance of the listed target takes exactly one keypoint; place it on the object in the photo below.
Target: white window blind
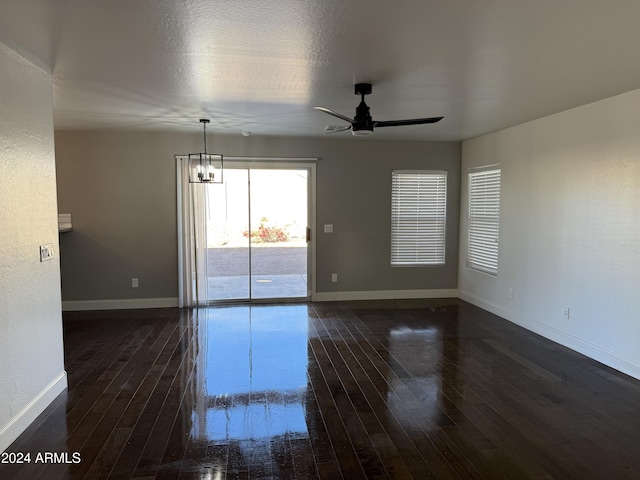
(418, 217)
(484, 220)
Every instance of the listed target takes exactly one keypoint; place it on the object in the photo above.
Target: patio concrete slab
(277, 272)
(262, 286)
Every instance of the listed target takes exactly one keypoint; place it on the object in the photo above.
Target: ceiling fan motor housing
(362, 123)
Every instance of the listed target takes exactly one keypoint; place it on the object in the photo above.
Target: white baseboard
(121, 304)
(10, 432)
(607, 357)
(384, 295)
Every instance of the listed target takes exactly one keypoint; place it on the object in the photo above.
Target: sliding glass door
(257, 223)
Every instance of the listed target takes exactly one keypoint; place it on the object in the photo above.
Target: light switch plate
(328, 228)
(46, 252)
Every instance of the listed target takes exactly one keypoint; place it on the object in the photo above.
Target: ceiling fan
(362, 124)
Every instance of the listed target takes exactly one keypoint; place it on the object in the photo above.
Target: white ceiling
(260, 66)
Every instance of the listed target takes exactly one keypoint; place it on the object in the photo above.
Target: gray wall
(120, 189)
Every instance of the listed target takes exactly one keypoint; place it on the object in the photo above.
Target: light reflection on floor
(254, 373)
(416, 359)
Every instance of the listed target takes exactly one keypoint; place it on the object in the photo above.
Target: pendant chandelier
(205, 167)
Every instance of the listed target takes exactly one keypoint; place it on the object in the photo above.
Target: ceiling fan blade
(338, 115)
(334, 129)
(414, 121)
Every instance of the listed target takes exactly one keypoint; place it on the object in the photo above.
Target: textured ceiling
(260, 66)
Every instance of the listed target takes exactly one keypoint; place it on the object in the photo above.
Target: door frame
(273, 163)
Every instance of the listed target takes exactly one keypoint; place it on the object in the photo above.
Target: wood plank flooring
(353, 390)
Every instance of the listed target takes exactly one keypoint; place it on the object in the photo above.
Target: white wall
(570, 226)
(31, 349)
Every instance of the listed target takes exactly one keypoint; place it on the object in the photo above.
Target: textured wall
(31, 355)
(569, 228)
(120, 189)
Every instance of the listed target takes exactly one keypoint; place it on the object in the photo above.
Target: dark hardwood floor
(356, 390)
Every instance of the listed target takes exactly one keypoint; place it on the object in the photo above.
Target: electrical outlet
(334, 277)
(134, 283)
(566, 312)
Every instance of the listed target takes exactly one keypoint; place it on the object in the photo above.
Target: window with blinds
(418, 217)
(484, 220)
